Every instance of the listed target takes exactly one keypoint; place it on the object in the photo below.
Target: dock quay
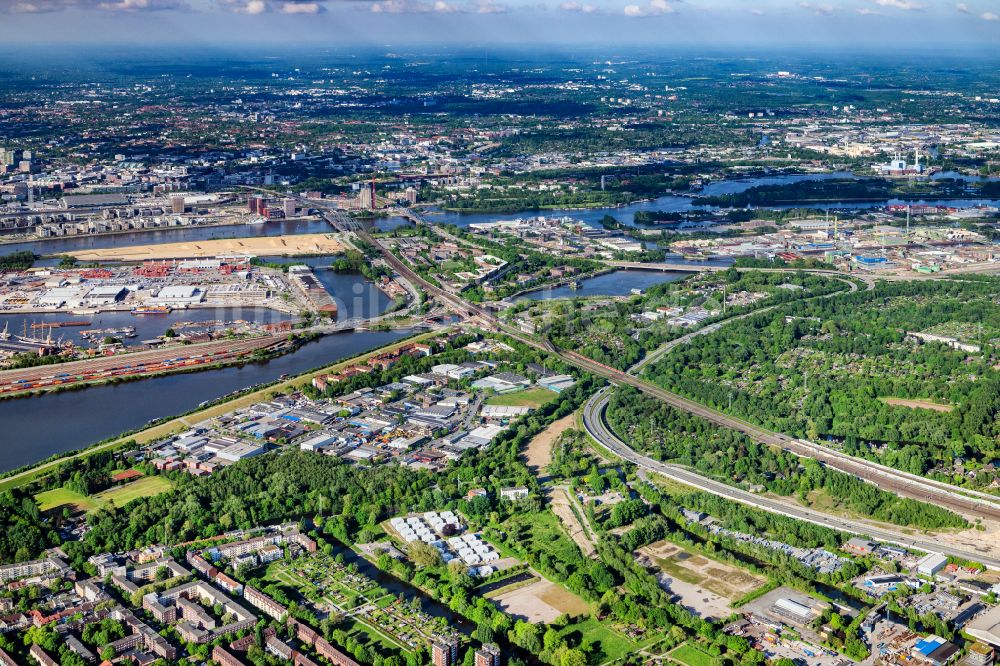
(303, 279)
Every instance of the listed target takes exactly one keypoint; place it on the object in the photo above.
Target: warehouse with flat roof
(986, 627)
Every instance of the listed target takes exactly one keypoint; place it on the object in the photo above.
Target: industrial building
(986, 627)
(930, 564)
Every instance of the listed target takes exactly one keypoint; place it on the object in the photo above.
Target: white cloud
(905, 5)
(756, 12)
(989, 16)
(309, 8)
(654, 8)
(962, 8)
(821, 10)
(437, 7)
(130, 6)
(139, 5)
(249, 7)
(489, 7)
(582, 8)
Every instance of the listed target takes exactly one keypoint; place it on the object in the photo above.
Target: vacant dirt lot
(918, 404)
(542, 601)
(539, 451)
(560, 503)
(704, 586)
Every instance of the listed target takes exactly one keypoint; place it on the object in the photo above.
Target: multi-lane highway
(893, 480)
(593, 419)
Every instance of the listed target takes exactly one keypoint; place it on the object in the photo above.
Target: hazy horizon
(887, 26)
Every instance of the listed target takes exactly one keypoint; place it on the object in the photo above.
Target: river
(146, 327)
(683, 204)
(592, 216)
(38, 427)
(35, 428)
(56, 246)
(354, 295)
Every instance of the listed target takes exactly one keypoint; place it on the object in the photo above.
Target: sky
(890, 25)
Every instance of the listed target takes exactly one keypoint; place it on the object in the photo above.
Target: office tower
(177, 203)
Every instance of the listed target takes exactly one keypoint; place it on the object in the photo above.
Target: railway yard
(137, 364)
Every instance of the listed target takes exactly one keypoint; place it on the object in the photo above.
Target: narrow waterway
(684, 204)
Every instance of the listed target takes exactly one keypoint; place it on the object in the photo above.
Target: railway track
(596, 425)
(135, 364)
(974, 504)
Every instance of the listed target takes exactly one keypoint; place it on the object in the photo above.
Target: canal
(428, 604)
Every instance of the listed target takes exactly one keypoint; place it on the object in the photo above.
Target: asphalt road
(892, 480)
(593, 419)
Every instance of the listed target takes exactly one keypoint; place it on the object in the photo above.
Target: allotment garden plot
(331, 588)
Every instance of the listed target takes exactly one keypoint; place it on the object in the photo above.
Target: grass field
(691, 655)
(120, 496)
(609, 643)
(531, 397)
(51, 499)
(545, 533)
(144, 487)
(675, 570)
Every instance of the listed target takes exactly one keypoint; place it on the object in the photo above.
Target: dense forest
(847, 370)
(729, 456)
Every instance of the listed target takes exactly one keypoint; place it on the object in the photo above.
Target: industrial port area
(90, 316)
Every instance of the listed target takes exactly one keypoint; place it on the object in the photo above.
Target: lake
(617, 283)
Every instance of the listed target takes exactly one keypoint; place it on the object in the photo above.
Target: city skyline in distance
(892, 26)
